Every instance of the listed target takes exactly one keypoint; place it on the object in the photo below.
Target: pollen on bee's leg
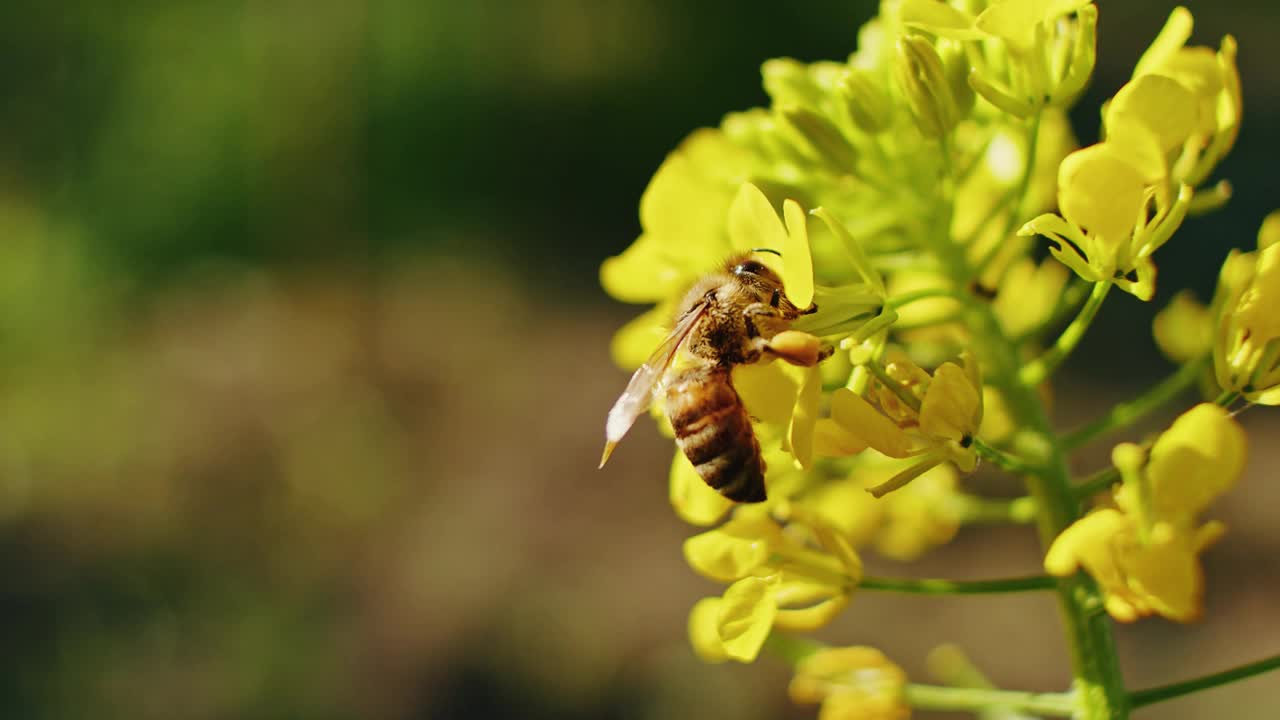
(799, 348)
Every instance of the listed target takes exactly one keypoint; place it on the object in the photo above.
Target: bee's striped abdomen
(714, 431)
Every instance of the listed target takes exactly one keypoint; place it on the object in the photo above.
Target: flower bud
(1246, 354)
(828, 143)
(956, 65)
(868, 104)
(1084, 54)
(923, 81)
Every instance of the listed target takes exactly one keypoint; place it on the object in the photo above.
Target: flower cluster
(1122, 198)
(1145, 550)
(899, 194)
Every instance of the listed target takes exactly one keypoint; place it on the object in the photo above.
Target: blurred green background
(304, 365)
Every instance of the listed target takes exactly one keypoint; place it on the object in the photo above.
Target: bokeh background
(303, 366)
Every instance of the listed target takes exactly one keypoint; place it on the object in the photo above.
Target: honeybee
(727, 318)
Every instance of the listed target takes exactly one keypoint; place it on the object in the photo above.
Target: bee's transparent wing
(639, 393)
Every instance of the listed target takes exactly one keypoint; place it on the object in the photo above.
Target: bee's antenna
(768, 250)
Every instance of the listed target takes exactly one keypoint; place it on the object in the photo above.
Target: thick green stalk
(1094, 663)
(1093, 654)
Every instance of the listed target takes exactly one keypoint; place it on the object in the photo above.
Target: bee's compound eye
(749, 267)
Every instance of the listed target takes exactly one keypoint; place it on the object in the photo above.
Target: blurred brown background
(305, 366)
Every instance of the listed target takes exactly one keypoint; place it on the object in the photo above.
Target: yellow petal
(830, 439)
(644, 273)
(1016, 20)
(1256, 311)
(1174, 34)
(1166, 574)
(950, 404)
(1160, 103)
(857, 417)
(847, 507)
(634, 342)
(1199, 457)
(813, 617)
(688, 195)
(753, 223)
(746, 616)
(1269, 231)
(797, 263)
(938, 18)
(768, 390)
(805, 417)
(733, 551)
(693, 500)
(704, 631)
(1088, 542)
(1101, 192)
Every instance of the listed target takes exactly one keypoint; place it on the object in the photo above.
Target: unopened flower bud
(828, 143)
(867, 102)
(923, 80)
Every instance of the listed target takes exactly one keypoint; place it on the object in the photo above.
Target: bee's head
(752, 271)
(757, 277)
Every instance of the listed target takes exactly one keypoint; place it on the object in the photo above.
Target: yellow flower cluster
(777, 580)
(897, 195)
(1145, 551)
(1166, 129)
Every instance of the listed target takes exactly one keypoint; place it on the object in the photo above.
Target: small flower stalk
(886, 327)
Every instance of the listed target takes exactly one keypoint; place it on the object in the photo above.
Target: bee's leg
(768, 333)
(763, 321)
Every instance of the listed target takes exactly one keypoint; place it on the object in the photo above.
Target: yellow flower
(936, 415)
(852, 683)
(1121, 199)
(776, 580)
(1044, 56)
(683, 219)
(1145, 552)
(1246, 350)
(901, 525)
(1116, 210)
(1209, 101)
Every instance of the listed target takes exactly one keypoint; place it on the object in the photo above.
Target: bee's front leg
(768, 333)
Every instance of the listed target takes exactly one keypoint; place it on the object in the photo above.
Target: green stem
(1096, 483)
(1227, 398)
(791, 649)
(976, 510)
(934, 697)
(1125, 414)
(959, 587)
(1006, 461)
(1094, 663)
(1042, 367)
(1072, 296)
(1141, 698)
(907, 298)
